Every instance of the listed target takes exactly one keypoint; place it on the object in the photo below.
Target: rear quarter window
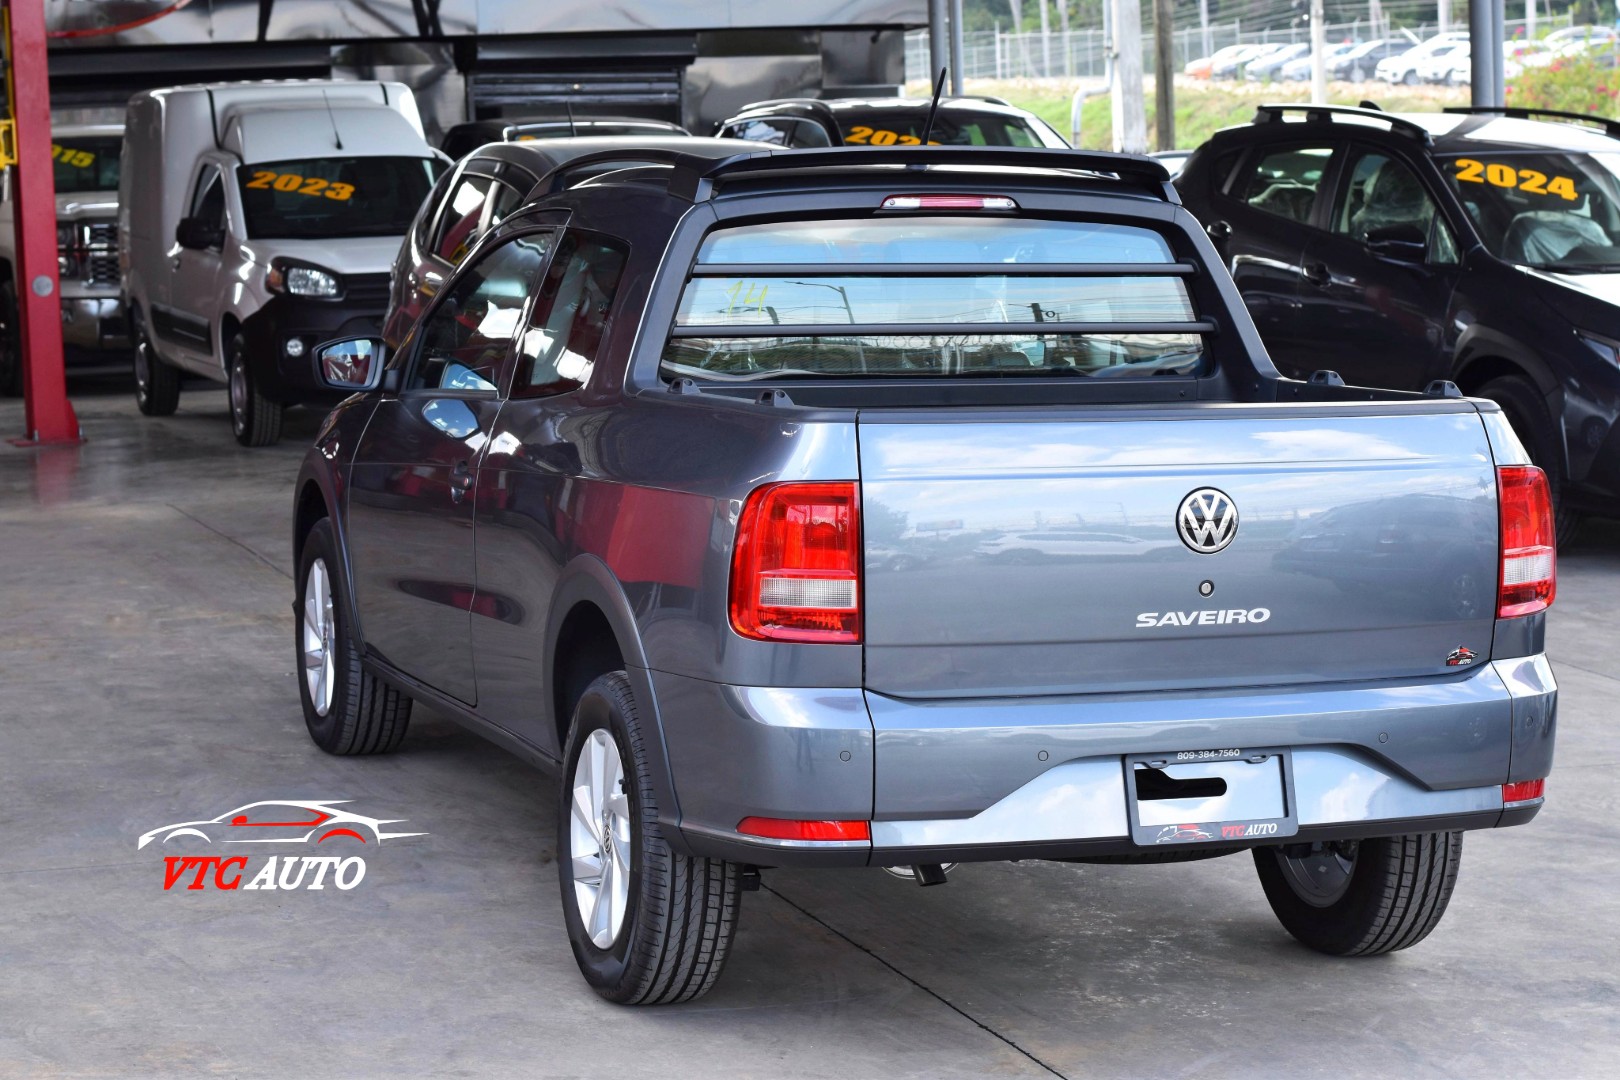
(935, 297)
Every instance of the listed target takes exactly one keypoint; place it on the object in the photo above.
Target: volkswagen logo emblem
(1207, 520)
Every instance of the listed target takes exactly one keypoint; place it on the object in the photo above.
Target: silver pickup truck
(918, 506)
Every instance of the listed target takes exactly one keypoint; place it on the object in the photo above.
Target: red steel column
(50, 416)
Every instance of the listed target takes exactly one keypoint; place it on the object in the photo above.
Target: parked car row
(255, 220)
(1443, 58)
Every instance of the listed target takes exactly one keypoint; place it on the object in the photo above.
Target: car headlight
(1608, 348)
(65, 237)
(302, 281)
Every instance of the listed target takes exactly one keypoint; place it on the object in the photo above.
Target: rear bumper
(965, 780)
(94, 324)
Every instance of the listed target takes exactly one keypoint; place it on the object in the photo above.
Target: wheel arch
(1483, 355)
(591, 626)
(229, 326)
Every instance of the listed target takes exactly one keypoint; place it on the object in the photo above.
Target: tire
(1410, 78)
(1527, 414)
(347, 710)
(255, 419)
(157, 384)
(675, 921)
(1381, 895)
(1358, 75)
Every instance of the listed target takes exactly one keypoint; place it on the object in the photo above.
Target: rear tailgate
(1039, 552)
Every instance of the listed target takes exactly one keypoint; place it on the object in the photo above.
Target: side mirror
(352, 364)
(197, 235)
(1404, 243)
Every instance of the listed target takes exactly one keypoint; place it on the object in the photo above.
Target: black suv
(1476, 246)
(808, 122)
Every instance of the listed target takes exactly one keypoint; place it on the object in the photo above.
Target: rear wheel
(1526, 412)
(648, 926)
(1361, 898)
(157, 384)
(255, 419)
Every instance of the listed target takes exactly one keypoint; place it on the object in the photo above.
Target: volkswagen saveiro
(692, 483)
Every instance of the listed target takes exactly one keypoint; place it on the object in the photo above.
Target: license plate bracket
(1188, 798)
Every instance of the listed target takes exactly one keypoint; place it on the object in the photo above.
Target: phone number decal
(302, 185)
(1207, 755)
(1529, 181)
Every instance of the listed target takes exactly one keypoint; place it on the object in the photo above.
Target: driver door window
(466, 338)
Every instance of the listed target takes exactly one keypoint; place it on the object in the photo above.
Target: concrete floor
(146, 662)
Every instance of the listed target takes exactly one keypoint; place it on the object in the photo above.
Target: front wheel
(255, 419)
(1411, 78)
(346, 708)
(157, 384)
(648, 926)
(1361, 898)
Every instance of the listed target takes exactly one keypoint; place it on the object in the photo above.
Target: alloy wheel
(599, 838)
(318, 632)
(1321, 875)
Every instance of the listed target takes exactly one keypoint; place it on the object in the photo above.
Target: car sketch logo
(1207, 520)
(1181, 834)
(274, 822)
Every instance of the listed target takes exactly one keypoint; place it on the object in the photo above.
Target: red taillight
(948, 202)
(795, 575)
(785, 829)
(1523, 790)
(1529, 575)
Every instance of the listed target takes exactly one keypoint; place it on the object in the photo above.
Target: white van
(255, 221)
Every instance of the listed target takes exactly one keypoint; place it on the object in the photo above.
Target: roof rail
(1273, 113)
(980, 97)
(1611, 128)
(696, 174)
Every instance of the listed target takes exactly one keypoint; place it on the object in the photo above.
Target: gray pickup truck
(909, 507)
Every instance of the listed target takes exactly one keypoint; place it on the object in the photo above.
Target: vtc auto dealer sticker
(269, 828)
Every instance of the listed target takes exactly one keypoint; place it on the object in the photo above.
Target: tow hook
(925, 874)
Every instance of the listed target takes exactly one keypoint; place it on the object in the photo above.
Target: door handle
(1317, 274)
(1219, 231)
(461, 481)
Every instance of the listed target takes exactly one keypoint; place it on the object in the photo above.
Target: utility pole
(1319, 52)
(1164, 73)
(1203, 24)
(957, 51)
(1530, 20)
(1444, 15)
(1130, 115)
(938, 38)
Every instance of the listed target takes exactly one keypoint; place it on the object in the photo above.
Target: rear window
(934, 297)
(904, 127)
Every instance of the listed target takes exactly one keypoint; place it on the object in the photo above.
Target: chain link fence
(993, 54)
